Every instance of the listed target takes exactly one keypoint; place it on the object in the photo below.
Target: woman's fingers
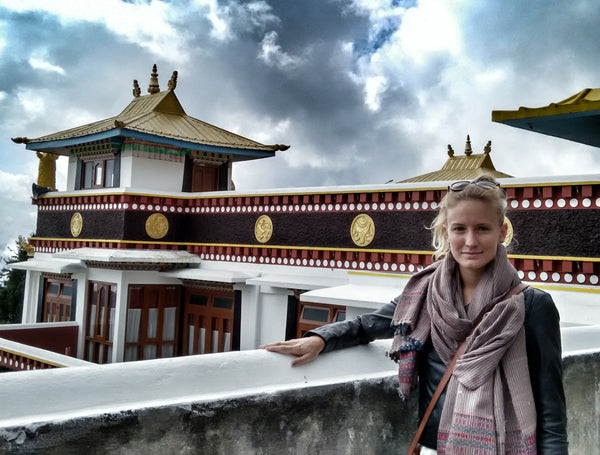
(305, 349)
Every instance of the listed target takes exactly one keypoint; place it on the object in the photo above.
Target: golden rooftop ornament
(137, 91)
(173, 81)
(153, 87)
(468, 149)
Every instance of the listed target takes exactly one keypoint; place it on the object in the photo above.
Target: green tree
(13, 285)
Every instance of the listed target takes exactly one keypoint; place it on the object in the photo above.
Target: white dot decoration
(525, 204)
(594, 279)
(521, 274)
(580, 278)
(573, 203)
(556, 277)
(548, 203)
(415, 205)
(367, 206)
(399, 205)
(537, 203)
(407, 205)
(561, 203)
(586, 202)
(543, 276)
(434, 205)
(568, 277)
(425, 205)
(531, 275)
(394, 267)
(402, 267)
(411, 268)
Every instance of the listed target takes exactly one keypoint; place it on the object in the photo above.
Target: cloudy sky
(364, 91)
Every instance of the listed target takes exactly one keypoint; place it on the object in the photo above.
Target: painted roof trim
(575, 118)
(57, 145)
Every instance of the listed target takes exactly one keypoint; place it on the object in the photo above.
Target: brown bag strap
(414, 445)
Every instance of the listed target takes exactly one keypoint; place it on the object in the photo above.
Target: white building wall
(147, 173)
(272, 314)
(71, 173)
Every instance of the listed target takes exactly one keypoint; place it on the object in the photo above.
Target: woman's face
(474, 233)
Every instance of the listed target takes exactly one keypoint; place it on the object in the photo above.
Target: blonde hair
(494, 196)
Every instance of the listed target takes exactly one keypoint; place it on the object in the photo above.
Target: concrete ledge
(248, 402)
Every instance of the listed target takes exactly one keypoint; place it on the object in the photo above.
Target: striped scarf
(489, 406)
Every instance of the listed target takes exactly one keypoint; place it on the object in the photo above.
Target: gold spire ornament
(137, 91)
(468, 149)
(488, 148)
(153, 87)
(173, 81)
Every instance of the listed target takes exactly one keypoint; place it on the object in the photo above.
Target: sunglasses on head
(462, 184)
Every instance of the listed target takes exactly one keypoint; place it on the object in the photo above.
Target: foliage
(13, 285)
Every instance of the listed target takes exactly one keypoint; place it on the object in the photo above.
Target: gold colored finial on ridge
(137, 91)
(173, 81)
(488, 148)
(153, 87)
(468, 149)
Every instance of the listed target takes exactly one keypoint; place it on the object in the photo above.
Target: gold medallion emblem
(263, 229)
(362, 230)
(157, 226)
(76, 224)
(509, 232)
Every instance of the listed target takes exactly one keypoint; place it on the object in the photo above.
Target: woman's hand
(305, 349)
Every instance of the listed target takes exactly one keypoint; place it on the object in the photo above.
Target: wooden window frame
(99, 343)
(211, 318)
(139, 296)
(94, 163)
(304, 325)
(58, 305)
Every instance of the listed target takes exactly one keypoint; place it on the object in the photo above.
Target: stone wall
(309, 414)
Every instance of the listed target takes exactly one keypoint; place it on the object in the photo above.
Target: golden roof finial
(450, 151)
(173, 81)
(488, 148)
(468, 149)
(137, 91)
(153, 87)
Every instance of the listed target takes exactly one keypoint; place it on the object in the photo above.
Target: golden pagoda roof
(575, 118)
(467, 167)
(157, 117)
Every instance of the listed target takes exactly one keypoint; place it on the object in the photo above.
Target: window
(209, 317)
(152, 322)
(57, 300)
(98, 173)
(313, 315)
(100, 322)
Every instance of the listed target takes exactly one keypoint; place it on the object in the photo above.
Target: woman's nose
(470, 238)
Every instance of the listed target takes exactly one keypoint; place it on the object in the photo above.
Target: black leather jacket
(542, 331)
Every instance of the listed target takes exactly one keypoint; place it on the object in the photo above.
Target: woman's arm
(544, 354)
(360, 330)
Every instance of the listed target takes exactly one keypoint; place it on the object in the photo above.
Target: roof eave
(60, 145)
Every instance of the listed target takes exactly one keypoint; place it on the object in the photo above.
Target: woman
(489, 405)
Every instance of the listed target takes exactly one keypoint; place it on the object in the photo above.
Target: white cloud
(43, 65)
(146, 24)
(272, 54)
(33, 101)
